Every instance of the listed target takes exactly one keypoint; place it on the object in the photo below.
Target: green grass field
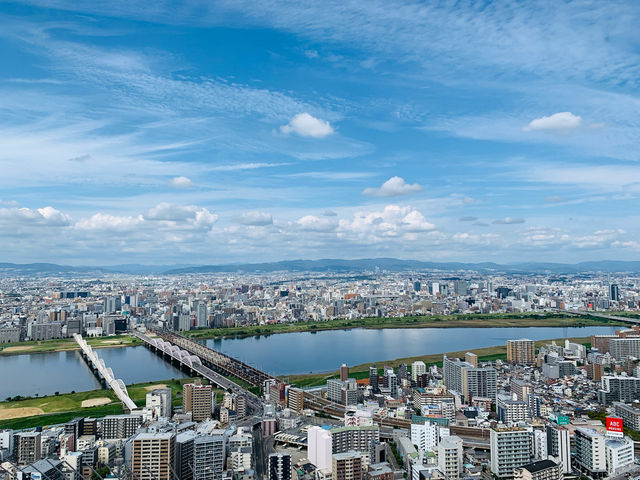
(62, 408)
(431, 321)
(63, 344)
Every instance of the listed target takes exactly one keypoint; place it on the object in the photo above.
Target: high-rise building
(618, 389)
(319, 448)
(120, 427)
(590, 454)
(344, 372)
(153, 456)
(622, 348)
(357, 438)
(183, 464)
(470, 382)
(197, 399)
(614, 293)
(295, 399)
(159, 400)
(471, 358)
(510, 448)
(521, 351)
(559, 446)
(540, 470)
(279, 466)
(425, 435)
(27, 447)
(630, 414)
(417, 368)
(521, 389)
(373, 378)
(347, 466)
(449, 453)
(208, 457)
(619, 453)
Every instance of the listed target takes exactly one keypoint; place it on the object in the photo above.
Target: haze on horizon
(230, 131)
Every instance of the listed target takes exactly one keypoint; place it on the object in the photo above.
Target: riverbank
(21, 413)
(65, 344)
(362, 371)
(549, 319)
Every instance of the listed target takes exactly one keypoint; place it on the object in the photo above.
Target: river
(278, 354)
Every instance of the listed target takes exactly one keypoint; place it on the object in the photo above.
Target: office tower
(510, 448)
(344, 372)
(279, 466)
(392, 382)
(373, 378)
(26, 447)
(120, 427)
(344, 439)
(590, 455)
(417, 286)
(208, 457)
(197, 399)
(319, 448)
(559, 446)
(183, 464)
(402, 371)
(202, 320)
(295, 399)
(471, 358)
(461, 287)
(425, 435)
(159, 400)
(153, 456)
(521, 351)
(449, 453)
(347, 466)
(614, 293)
(417, 368)
(540, 470)
(618, 389)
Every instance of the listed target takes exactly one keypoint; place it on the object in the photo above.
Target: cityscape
(319, 240)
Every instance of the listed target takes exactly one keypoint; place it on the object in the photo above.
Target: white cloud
(316, 224)
(41, 216)
(558, 123)
(181, 182)
(393, 187)
(105, 221)
(467, 219)
(508, 221)
(255, 218)
(394, 221)
(196, 216)
(306, 125)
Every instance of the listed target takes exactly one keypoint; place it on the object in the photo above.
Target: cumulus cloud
(181, 182)
(393, 187)
(306, 125)
(394, 221)
(316, 224)
(558, 123)
(467, 219)
(168, 212)
(40, 216)
(105, 221)
(508, 221)
(255, 218)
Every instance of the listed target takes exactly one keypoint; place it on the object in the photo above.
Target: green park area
(20, 412)
(549, 319)
(62, 344)
(362, 371)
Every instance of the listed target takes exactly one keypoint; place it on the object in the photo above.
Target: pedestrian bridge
(116, 384)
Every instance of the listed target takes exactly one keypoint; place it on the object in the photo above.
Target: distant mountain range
(324, 265)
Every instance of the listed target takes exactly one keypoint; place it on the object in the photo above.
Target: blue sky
(236, 131)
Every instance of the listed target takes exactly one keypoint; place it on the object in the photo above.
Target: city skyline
(227, 132)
